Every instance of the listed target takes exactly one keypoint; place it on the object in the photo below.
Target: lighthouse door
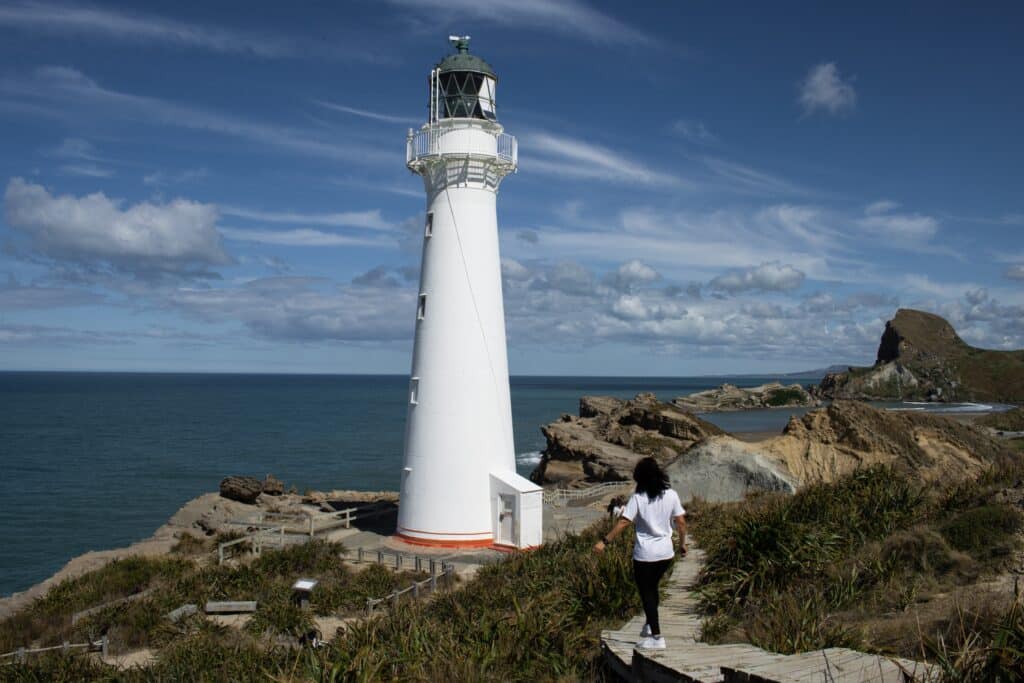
(507, 520)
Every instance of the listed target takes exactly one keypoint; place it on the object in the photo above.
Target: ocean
(93, 461)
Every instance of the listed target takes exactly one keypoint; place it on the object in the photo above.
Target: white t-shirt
(653, 521)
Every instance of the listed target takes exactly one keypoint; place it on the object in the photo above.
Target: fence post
(103, 646)
(20, 655)
(433, 582)
(417, 562)
(380, 557)
(359, 553)
(220, 554)
(311, 526)
(398, 561)
(369, 605)
(433, 567)
(415, 590)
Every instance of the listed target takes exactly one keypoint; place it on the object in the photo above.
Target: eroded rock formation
(921, 357)
(730, 397)
(610, 435)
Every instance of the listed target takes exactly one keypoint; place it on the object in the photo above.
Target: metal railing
(427, 143)
(559, 497)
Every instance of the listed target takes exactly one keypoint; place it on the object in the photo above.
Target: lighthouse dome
(465, 84)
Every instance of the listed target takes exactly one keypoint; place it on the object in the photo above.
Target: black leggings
(647, 575)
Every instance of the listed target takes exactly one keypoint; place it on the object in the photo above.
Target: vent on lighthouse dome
(465, 84)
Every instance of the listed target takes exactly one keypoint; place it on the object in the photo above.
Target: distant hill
(921, 357)
(818, 373)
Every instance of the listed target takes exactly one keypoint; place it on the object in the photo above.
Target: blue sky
(703, 187)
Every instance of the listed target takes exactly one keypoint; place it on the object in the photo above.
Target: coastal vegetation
(533, 616)
(875, 561)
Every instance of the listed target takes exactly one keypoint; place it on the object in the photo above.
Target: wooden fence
(22, 653)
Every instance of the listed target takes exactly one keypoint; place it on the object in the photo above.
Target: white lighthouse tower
(459, 481)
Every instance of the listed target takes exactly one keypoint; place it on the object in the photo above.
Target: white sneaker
(651, 643)
(645, 632)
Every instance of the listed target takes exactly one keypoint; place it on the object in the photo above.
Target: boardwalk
(687, 660)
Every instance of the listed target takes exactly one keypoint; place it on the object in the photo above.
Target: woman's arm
(619, 527)
(681, 526)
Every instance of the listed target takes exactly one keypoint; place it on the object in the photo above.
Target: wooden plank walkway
(685, 659)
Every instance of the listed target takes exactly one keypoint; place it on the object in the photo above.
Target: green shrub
(792, 622)
(986, 532)
(784, 397)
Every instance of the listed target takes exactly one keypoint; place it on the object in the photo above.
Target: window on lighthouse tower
(467, 95)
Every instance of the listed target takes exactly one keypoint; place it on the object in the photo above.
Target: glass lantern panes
(467, 95)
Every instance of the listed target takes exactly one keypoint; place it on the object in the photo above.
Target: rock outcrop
(921, 357)
(722, 469)
(272, 486)
(243, 489)
(610, 435)
(828, 443)
(730, 397)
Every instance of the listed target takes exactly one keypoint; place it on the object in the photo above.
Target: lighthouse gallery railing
(426, 143)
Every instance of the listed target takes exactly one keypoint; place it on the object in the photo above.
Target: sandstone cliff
(827, 443)
(610, 435)
(921, 357)
(730, 397)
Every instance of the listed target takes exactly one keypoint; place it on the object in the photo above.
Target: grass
(532, 616)
(815, 570)
(173, 581)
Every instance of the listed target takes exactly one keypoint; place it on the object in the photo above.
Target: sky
(703, 188)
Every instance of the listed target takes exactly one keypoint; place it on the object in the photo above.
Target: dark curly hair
(650, 478)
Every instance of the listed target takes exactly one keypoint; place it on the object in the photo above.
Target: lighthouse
(459, 482)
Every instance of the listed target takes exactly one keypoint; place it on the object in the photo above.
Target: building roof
(463, 61)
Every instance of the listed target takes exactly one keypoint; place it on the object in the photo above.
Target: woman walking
(652, 509)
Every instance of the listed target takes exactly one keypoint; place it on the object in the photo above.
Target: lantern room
(462, 86)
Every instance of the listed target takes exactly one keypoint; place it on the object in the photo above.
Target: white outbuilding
(459, 482)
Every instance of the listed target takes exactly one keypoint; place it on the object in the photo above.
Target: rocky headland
(730, 397)
(921, 358)
(608, 438)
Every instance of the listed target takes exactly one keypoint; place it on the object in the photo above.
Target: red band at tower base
(445, 542)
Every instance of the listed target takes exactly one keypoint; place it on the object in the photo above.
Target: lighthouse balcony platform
(468, 139)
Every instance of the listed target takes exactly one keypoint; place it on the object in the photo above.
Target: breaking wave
(530, 458)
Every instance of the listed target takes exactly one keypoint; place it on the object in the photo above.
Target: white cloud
(694, 131)
(881, 206)
(63, 84)
(573, 158)
(632, 273)
(770, 277)
(747, 180)
(824, 89)
(87, 170)
(306, 310)
(900, 229)
(302, 237)
(564, 16)
(179, 236)
(514, 270)
(136, 27)
(161, 178)
(375, 116)
(1015, 272)
(369, 220)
